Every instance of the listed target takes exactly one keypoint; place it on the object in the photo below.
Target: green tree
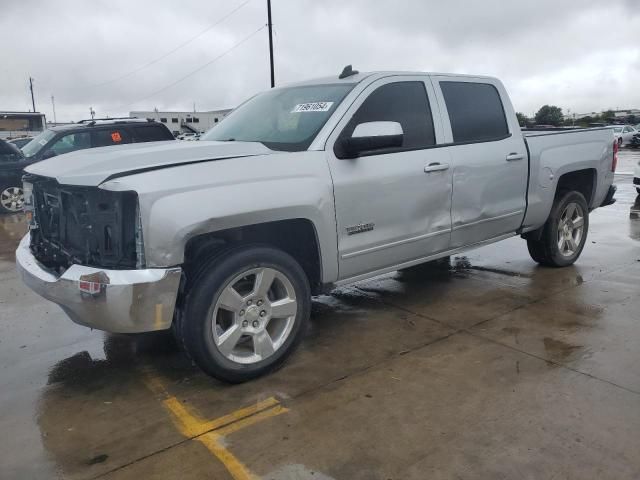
(608, 116)
(549, 115)
(522, 119)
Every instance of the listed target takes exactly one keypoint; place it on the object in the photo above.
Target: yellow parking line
(191, 425)
(253, 419)
(211, 432)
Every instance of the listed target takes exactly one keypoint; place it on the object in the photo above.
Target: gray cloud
(580, 54)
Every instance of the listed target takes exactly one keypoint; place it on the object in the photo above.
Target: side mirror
(370, 137)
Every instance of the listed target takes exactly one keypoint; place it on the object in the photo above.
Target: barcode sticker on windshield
(312, 107)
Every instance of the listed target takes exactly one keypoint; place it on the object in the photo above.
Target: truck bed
(553, 153)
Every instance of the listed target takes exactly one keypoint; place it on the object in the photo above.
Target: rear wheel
(564, 234)
(245, 313)
(11, 198)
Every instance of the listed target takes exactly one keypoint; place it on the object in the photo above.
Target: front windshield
(38, 143)
(282, 119)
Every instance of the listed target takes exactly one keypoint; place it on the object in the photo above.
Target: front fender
(180, 203)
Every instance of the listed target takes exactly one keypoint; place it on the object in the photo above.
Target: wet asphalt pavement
(490, 367)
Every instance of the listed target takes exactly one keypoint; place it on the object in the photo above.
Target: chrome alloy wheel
(570, 229)
(254, 315)
(12, 199)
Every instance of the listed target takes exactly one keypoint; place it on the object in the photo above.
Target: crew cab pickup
(298, 190)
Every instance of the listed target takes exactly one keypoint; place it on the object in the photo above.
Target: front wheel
(11, 198)
(564, 234)
(245, 313)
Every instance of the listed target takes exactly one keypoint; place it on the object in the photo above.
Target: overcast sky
(582, 55)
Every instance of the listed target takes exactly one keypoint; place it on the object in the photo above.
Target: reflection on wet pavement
(482, 363)
(12, 229)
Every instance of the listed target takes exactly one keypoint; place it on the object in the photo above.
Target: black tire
(546, 250)
(7, 189)
(620, 142)
(195, 328)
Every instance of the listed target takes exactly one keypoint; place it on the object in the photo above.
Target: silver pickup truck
(298, 190)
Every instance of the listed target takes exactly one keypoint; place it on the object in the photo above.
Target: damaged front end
(85, 253)
(82, 225)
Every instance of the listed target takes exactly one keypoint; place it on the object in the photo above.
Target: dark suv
(69, 138)
(11, 161)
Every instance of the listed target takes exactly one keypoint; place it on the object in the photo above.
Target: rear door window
(403, 102)
(475, 112)
(112, 136)
(150, 133)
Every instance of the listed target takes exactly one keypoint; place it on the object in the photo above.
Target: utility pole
(53, 104)
(92, 112)
(270, 25)
(33, 101)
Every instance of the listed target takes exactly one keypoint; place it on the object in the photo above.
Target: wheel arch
(296, 236)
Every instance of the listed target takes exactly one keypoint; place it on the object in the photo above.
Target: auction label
(312, 107)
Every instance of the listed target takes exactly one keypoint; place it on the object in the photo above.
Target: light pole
(33, 101)
(270, 25)
(53, 105)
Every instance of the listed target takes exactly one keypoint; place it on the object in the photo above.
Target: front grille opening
(83, 225)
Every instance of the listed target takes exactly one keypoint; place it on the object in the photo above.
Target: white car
(188, 136)
(624, 133)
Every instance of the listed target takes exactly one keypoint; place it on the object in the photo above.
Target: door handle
(436, 167)
(514, 156)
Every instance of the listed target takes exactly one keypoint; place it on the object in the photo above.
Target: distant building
(620, 114)
(21, 124)
(184, 122)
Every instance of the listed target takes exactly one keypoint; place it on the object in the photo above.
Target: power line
(170, 52)
(202, 67)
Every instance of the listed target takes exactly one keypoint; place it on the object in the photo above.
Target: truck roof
(360, 76)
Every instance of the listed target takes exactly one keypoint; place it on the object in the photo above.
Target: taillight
(614, 161)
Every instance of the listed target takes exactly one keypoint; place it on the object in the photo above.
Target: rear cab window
(475, 111)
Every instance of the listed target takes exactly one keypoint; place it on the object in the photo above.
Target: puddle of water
(12, 229)
(559, 349)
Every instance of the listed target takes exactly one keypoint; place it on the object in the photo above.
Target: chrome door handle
(436, 167)
(514, 156)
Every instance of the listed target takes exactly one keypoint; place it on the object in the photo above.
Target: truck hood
(92, 167)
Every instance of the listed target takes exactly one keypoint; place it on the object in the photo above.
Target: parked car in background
(82, 135)
(21, 142)
(624, 133)
(94, 133)
(11, 165)
(188, 136)
(301, 189)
